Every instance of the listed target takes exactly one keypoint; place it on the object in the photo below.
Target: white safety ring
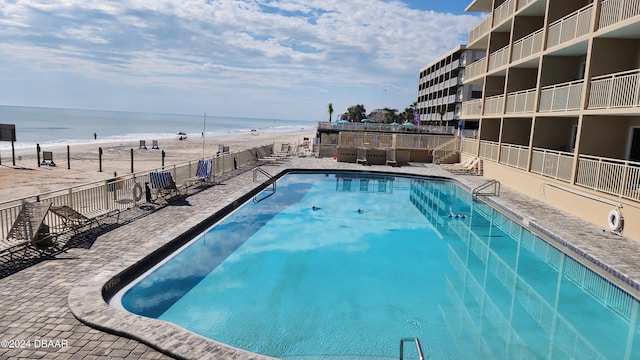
(137, 192)
(615, 220)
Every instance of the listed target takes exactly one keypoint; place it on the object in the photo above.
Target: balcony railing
(521, 102)
(472, 108)
(476, 69)
(615, 11)
(554, 164)
(570, 27)
(528, 45)
(499, 58)
(489, 150)
(494, 105)
(480, 30)
(561, 97)
(469, 146)
(514, 155)
(503, 12)
(611, 176)
(619, 90)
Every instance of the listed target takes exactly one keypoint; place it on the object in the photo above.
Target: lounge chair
(28, 229)
(164, 185)
(154, 145)
(474, 168)
(458, 165)
(75, 221)
(203, 173)
(143, 145)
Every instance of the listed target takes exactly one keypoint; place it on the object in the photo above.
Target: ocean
(59, 127)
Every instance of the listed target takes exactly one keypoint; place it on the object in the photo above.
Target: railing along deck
(611, 176)
(489, 150)
(514, 155)
(118, 193)
(480, 30)
(615, 11)
(570, 27)
(475, 69)
(618, 90)
(527, 46)
(493, 105)
(471, 108)
(554, 164)
(499, 58)
(521, 101)
(469, 146)
(561, 97)
(503, 12)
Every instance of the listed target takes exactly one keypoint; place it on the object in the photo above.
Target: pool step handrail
(418, 347)
(270, 180)
(479, 190)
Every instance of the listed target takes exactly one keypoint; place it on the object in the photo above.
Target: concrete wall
(593, 211)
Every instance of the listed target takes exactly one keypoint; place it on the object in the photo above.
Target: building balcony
(476, 69)
(521, 102)
(615, 11)
(494, 105)
(551, 163)
(489, 150)
(527, 46)
(619, 90)
(480, 30)
(504, 12)
(611, 176)
(570, 27)
(499, 58)
(472, 108)
(514, 155)
(561, 97)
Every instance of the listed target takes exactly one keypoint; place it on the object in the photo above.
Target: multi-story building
(441, 89)
(560, 106)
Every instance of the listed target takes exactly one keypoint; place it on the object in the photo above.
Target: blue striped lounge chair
(164, 185)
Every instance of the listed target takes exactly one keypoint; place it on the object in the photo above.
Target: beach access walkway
(35, 317)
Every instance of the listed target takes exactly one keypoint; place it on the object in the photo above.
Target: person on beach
(95, 136)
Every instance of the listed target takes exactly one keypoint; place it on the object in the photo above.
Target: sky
(276, 59)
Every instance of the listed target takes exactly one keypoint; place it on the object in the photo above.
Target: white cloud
(294, 47)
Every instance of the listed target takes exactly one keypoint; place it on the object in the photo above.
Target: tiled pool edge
(87, 303)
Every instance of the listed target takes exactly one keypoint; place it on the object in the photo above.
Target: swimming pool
(421, 259)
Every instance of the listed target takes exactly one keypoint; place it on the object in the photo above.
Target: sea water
(55, 127)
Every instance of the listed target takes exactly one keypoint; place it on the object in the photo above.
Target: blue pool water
(279, 278)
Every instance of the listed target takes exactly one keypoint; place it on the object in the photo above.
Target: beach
(27, 179)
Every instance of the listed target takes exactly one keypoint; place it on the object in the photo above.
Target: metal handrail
(270, 179)
(477, 190)
(418, 346)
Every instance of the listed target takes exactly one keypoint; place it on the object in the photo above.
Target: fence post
(132, 161)
(68, 158)
(100, 159)
(38, 152)
(163, 155)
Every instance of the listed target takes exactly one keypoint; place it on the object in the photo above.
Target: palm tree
(330, 110)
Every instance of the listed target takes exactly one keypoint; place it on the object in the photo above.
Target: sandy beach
(27, 179)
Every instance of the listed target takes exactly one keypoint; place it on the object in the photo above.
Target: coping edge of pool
(87, 300)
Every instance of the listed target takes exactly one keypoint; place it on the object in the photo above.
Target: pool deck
(40, 301)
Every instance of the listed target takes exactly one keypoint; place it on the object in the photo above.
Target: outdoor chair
(74, 221)
(391, 157)
(474, 168)
(459, 165)
(143, 145)
(154, 145)
(203, 173)
(47, 156)
(28, 229)
(164, 185)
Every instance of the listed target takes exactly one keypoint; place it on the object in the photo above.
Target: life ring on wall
(615, 220)
(137, 192)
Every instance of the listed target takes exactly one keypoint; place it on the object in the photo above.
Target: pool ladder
(270, 181)
(483, 190)
(418, 347)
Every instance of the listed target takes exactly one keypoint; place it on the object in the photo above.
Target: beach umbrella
(342, 121)
(181, 133)
(409, 124)
(364, 120)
